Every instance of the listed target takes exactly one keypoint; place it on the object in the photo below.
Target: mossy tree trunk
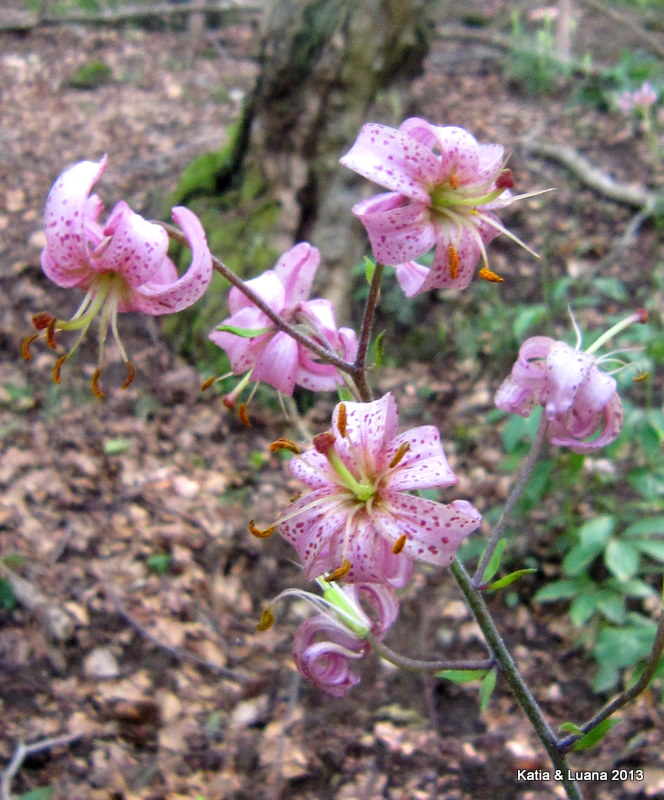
(324, 64)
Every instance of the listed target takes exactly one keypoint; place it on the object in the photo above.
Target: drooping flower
(444, 190)
(359, 522)
(581, 404)
(271, 355)
(123, 265)
(324, 644)
(640, 99)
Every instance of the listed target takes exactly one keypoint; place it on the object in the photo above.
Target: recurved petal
(566, 368)
(132, 247)
(411, 277)
(369, 428)
(434, 531)
(325, 663)
(267, 286)
(395, 160)
(397, 232)
(296, 270)
(529, 369)
(459, 154)
(514, 398)
(65, 258)
(277, 363)
(612, 419)
(313, 469)
(423, 466)
(154, 298)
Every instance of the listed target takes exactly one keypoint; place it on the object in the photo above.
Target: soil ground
(130, 516)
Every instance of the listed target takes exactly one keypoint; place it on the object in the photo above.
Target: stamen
(50, 334)
(324, 442)
(453, 180)
(505, 180)
(404, 447)
(261, 533)
(285, 444)
(131, 374)
(486, 274)
(340, 572)
(26, 355)
(57, 367)
(206, 384)
(96, 388)
(342, 420)
(266, 620)
(400, 543)
(642, 376)
(453, 261)
(243, 415)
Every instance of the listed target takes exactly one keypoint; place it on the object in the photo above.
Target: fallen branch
(626, 194)
(177, 652)
(24, 751)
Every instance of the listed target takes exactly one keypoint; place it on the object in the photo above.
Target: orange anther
(261, 533)
(453, 180)
(206, 384)
(57, 367)
(404, 447)
(50, 333)
(285, 444)
(340, 572)
(25, 346)
(453, 260)
(266, 620)
(342, 420)
(96, 388)
(131, 374)
(42, 320)
(243, 415)
(642, 376)
(487, 275)
(400, 543)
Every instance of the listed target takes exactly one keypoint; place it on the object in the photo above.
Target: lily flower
(360, 522)
(324, 644)
(581, 404)
(444, 190)
(256, 346)
(122, 265)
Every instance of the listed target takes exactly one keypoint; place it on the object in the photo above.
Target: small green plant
(90, 75)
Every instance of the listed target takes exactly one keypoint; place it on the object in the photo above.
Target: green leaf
(593, 536)
(461, 675)
(114, 447)
(509, 579)
(582, 608)
(526, 318)
(7, 596)
(596, 734)
(653, 549)
(611, 605)
(645, 527)
(369, 269)
(487, 687)
(570, 727)
(42, 793)
(494, 562)
(379, 350)
(159, 562)
(345, 394)
(245, 333)
(622, 559)
(559, 590)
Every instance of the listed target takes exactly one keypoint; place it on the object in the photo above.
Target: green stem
(514, 679)
(525, 472)
(365, 334)
(418, 665)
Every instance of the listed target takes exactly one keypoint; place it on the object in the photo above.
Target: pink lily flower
(444, 189)
(123, 265)
(325, 661)
(271, 355)
(579, 400)
(359, 522)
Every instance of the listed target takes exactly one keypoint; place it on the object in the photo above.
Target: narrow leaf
(570, 727)
(509, 579)
(596, 734)
(245, 333)
(487, 687)
(461, 675)
(494, 562)
(369, 269)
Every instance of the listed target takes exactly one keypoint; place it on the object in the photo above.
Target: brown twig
(23, 751)
(176, 652)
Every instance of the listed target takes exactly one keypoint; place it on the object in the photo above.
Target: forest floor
(128, 518)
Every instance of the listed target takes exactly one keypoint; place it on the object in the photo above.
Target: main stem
(514, 679)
